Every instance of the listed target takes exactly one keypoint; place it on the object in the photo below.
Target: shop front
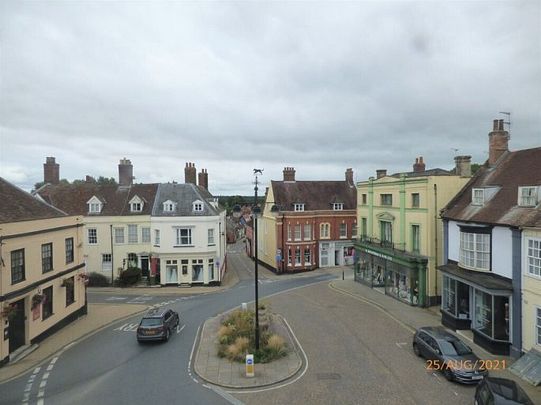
(478, 301)
(391, 272)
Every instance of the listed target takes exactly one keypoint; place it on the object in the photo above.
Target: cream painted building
(400, 234)
(42, 286)
(531, 289)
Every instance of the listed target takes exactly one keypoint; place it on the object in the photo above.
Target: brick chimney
(89, 179)
(289, 174)
(51, 171)
(125, 172)
(190, 173)
(204, 179)
(381, 173)
(419, 165)
(498, 142)
(463, 166)
(349, 176)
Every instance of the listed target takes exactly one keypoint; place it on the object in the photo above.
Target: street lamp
(256, 212)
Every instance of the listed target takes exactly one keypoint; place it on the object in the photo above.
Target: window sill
(211, 244)
(18, 281)
(181, 246)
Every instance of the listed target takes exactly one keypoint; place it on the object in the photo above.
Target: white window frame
(527, 196)
(92, 235)
(343, 231)
(309, 261)
(157, 237)
(132, 234)
(307, 232)
(325, 230)
(298, 257)
(297, 232)
(136, 204)
(169, 206)
(210, 237)
(145, 235)
(478, 196)
(338, 206)
(198, 206)
(298, 207)
(354, 231)
(533, 257)
(180, 236)
(470, 256)
(119, 236)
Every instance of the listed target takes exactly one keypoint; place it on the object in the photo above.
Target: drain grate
(328, 376)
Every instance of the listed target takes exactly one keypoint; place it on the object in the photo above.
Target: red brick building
(308, 224)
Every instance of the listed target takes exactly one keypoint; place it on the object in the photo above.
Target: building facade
(400, 242)
(134, 225)
(307, 224)
(483, 273)
(42, 279)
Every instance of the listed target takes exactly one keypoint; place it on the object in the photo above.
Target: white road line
(50, 367)
(36, 370)
(26, 397)
(43, 383)
(46, 375)
(40, 402)
(180, 330)
(41, 393)
(28, 388)
(54, 360)
(193, 349)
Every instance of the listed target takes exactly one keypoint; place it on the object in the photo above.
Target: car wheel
(416, 350)
(167, 333)
(448, 375)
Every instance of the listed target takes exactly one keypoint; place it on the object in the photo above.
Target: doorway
(144, 266)
(17, 333)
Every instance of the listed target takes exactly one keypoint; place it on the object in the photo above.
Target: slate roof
(18, 205)
(73, 198)
(183, 195)
(513, 169)
(315, 195)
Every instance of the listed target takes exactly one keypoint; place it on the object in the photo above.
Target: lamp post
(256, 211)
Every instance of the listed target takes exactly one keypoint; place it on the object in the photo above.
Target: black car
(445, 352)
(495, 391)
(157, 324)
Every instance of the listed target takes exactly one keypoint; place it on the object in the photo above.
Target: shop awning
(488, 281)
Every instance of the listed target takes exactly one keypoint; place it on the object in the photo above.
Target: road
(355, 353)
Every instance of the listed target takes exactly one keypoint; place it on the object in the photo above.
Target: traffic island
(232, 374)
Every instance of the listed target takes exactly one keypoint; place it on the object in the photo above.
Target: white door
(324, 255)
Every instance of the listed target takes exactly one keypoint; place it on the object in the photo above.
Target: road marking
(40, 402)
(401, 344)
(50, 367)
(128, 327)
(36, 370)
(46, 375)
(193, 349)
(28, 388)
(116, 298)
(54, 360)
(41, 393)
(180, 330)
(43, 383)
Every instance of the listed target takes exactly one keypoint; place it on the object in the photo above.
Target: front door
(16, 327)
(144, 266)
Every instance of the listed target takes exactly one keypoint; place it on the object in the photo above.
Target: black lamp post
(255, 212)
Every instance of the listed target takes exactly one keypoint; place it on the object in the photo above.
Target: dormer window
(298, 207)
(94, 205)
(478, 196)
(527, 196)
(169, 206)
(136, 204)
(338, 206)
(198, 206)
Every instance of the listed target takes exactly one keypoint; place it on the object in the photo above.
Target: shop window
(475, 250)
(463, 300)
(197, 270)
(449, 295)
(70, 291)
(211, 269)
(491, 315)
(289, 257)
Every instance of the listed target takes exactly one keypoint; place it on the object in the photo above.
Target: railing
(384, 243)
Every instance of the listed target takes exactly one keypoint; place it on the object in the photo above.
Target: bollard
(244, 306)
(250, 368)
(342, 274)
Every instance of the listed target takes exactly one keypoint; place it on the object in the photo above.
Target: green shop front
(391, 271)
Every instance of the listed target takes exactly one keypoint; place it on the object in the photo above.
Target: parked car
(157, 324)
(500, 391)
(446, 353)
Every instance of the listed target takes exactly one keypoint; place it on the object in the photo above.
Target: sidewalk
(225, 373)
(98, 317)
(413, 318)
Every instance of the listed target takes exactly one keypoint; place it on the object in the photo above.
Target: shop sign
(383, 256)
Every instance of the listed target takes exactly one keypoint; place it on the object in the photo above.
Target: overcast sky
(232, 86)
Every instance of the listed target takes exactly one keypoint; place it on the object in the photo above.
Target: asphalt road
(112, 368)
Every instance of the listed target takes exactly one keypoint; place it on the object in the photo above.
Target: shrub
(97, 280)
(225, 334)
(276, 342)
(130, 276)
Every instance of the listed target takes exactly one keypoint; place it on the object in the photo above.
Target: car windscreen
(151, 322)
(454, 347)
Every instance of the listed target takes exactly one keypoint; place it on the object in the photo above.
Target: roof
(184, 195)
(425, 173)
(513, 169)
(18, 205)
(73, 198)
(489, 281)
(315, 195)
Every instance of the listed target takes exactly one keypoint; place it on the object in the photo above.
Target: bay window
(475, 250)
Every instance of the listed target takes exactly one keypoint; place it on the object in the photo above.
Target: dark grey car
(446, 353)
(157, 324)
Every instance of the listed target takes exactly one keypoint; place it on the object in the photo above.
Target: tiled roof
(73, 198)
(18, 205)
(315, 195)
(514, 169)
(183, 195)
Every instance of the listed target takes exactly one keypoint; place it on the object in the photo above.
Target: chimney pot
(190, 173)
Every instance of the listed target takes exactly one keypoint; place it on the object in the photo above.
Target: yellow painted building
(531, 289)
(42, 286)
(400, 239)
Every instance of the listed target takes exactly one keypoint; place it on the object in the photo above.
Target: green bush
(129, 276)
(97, 280)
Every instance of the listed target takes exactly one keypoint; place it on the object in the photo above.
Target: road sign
(250, 371)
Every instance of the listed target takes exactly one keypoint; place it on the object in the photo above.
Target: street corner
(218, 370)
